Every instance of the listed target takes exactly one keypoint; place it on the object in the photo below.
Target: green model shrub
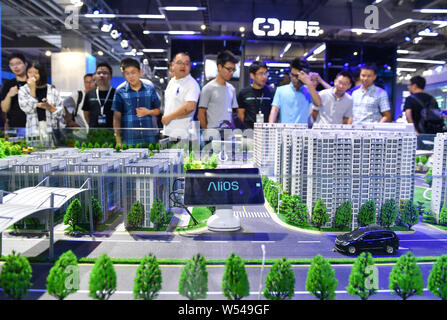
(235, 283)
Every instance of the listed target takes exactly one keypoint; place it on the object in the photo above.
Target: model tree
(294, 210)
(105, 145)
(98, 215)
(321, 281)
(97, 145)
(135, 216)
(410, 215)
(90, 145)
(443, 215)
(235, 283)
(406, 278)
(320, 215)
(158, 214)
(193, 282)
(102, 281)
(73, 215)
(389, 213)
(83, 145)
(77, 144)
(15, 277)
(367, 213)
(343, 215)
(63, 278)
(147, 282)
(280, 281)
(437, 280)
(362, 280)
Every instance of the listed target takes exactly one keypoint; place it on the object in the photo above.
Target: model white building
(338, 163)
(439, 187)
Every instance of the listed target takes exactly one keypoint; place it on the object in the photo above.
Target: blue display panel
(216, 187)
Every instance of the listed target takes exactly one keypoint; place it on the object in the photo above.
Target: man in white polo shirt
(181, 97)
(336, 104)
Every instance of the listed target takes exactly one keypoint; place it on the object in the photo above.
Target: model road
(171, 274)
(258, 228)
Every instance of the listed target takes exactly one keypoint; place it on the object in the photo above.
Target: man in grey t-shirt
(218, 97)
(336, 104)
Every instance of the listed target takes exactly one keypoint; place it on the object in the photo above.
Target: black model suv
(367, 239)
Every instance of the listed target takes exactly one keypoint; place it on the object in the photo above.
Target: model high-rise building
(439, 182)
(344, 163)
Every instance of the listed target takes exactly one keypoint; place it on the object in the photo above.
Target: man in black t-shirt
(15, 117)
(416, 102)
(98, 102)
(256, 98)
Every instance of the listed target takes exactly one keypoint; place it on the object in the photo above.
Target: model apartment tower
(345, 163)
(439, 188)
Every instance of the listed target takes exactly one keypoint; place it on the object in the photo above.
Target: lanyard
(105, 101)
(260, 102)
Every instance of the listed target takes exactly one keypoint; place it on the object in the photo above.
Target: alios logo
(72, 20)
(285, 27)
(223, 186)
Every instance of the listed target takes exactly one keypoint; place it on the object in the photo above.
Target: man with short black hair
(15, 117)
(134, 105)
(74, 117)
(256, 98)
(218, 96)
(416, 102)
(292, 101)
(336, 104)
(181, 97)
(370, 103)
(98, 102)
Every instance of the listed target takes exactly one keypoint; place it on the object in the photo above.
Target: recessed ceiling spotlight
(241, 29)
(203, 27)
(100, 53)
(124, 44)
(48, 53)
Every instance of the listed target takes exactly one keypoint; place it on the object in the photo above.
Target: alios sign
(285, 27)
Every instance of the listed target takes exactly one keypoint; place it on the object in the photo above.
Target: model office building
(439, 188)
(338, 163)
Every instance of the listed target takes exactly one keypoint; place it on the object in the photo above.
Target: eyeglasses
(186, 64)
(230, 69)
(104, 73)
(15, 64)
(262, 74)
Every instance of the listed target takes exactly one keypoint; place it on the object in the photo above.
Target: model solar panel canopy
(220, 187)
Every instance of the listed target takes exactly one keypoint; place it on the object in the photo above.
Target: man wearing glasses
(218, 97)
(15, 117)
(256, 98)
(181, 97)
(292, 101)
(98, 101)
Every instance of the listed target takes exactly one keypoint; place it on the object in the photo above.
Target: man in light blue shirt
(292, 101)
(370, 103)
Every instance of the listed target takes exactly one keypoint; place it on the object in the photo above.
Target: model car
(367, 239)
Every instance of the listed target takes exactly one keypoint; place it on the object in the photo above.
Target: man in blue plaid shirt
(134, 105)
(370, 103)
